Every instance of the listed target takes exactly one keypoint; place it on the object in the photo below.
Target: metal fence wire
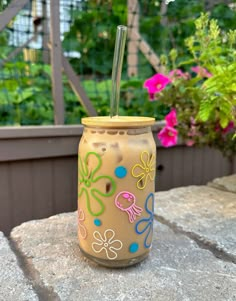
(87, 35)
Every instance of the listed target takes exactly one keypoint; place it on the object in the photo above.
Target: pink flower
(168, 136)
(171, 118)
(229, 127)
(193, 131)
(192, 120)
(155, 84)
(190, 142)
(178, 73)
(201, 71)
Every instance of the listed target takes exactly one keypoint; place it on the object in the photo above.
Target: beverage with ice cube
(117, 162)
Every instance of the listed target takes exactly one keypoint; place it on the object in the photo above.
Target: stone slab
(176, 270)
(207, 212)
(13, 285)
(225, 183)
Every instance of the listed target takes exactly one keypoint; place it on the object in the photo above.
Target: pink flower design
(168, 136)
(126, 201)
(178, 73)
(82, 229)
(201, 71)
(156, 84)
(171, 118)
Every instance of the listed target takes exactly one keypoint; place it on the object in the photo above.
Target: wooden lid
(118, 121)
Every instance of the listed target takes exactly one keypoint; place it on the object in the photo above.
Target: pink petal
(195, 69)
(201, 71)
(171, 118)
(176, 72)
(151, 96)
(168, 136)
(190, 142)
(192, 120)
(229, 127)
(156, 84)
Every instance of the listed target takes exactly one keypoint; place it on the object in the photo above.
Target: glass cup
(117, 164)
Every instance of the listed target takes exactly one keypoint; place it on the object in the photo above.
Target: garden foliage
(25, 88)
(201, 89)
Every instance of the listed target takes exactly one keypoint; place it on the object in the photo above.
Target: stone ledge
(177, 269)
(207, 212)
(13, 285)
(225, 183)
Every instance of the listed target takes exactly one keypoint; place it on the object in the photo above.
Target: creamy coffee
(116, 164)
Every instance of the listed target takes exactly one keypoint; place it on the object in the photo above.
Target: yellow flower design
(144, 170)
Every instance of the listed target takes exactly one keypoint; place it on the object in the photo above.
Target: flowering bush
(200, 90)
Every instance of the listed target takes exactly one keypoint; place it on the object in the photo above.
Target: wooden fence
(38, 171)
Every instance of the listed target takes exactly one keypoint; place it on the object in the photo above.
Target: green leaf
(206, 108)
(224, 120)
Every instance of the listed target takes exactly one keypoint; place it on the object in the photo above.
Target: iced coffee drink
(116, 164)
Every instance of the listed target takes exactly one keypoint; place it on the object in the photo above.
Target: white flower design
(106, 243)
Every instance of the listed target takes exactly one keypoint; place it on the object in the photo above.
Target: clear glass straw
(117, 68)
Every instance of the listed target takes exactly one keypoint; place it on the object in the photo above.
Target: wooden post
(163, 13)
(11, 11)
(77, 88)
(147, 51)
(46, 58)
(16, 51)
(56, 63)
(29, 53)
(133, 25)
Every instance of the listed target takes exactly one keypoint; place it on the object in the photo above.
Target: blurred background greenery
(88, 36)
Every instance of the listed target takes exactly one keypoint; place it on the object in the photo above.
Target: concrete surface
(13, 283)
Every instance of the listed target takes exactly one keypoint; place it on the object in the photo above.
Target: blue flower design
(145, 225)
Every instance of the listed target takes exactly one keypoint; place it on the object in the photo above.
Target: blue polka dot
(97, 222)
(120, 172)
(133, 247)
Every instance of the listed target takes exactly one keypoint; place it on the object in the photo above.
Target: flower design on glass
(81, 226)
(145, 170)
(88, 179)
(107, 244)
(145, 225)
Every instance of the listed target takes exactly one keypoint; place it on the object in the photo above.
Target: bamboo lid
(118, 121)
